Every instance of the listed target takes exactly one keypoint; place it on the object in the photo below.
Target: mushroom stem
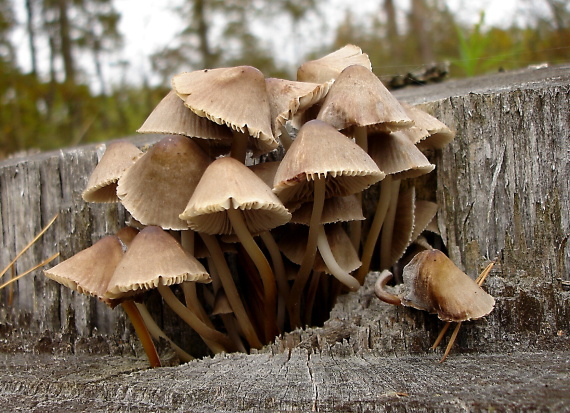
(156, 332)
(375, 227)
(388, 230)
(361, 139)
(216, 341)
(239, 146)
(311, 294)
(310, 252)
(285, 138)
(266, 273)
(142, 332)
(231, 290)
(328, 257)
(381, 293)
(280, 276)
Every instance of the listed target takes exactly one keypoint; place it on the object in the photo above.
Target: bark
(503, 190)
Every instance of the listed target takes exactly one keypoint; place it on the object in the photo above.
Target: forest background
(67, 77)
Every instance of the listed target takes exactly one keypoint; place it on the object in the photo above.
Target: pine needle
(480, 280)
(41, 264)
(29, 245)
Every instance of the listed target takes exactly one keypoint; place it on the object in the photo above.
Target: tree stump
(503, 191)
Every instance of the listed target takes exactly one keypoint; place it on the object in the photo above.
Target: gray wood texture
(503, 189)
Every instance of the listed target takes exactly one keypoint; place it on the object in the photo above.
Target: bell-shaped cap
(227, 183)
(157, 187)
(154, 258)
(321, 150)
(102, 184)
(232, 96)
(358, 98)
(89, 271)
(335, 209)
(437, 135)
(288, 98)
(329, 67)
(396, 155)
(172, 117)
(432, 282)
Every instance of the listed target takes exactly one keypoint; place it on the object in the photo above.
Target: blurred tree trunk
(208, 58)
(30, 27)
(419, 19)
(392, 29)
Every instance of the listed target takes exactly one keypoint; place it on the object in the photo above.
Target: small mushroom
(232, 96)
(329, 67)
(102, 184)
(433, 283)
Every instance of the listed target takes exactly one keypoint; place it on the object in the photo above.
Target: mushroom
(399, 158)
(157, 187)
(433, 283)
(102, 184)
(230, 198)
(89, 272)
(289, 99)
(321, 163)
(156, 260)
(232, 96)
(328, 67)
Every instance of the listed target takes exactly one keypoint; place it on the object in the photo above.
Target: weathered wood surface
(503, 190)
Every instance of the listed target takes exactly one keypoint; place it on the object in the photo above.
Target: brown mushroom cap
(358, 98)
(226, 184)
(432, 282)
(438, 134)
(320, 150)
(233, 96)
(289, 97)
(102, 184)
(157, 187)
(336, 209)
(329, 67)
(153, 258)
(90, 270)
(171, 116)
(396, 155)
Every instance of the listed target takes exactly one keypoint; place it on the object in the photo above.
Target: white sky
(148, 25)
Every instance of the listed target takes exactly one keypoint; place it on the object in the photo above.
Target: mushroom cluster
(265, 243)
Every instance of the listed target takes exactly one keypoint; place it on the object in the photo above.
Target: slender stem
(331, 263)
(216, 341)
(285, 138)
(361, 137)
(280, 276)
(265, 272)
(157, 333)
(388, 230)
(231, 290)
(310, 253)
(381, 293)
(142, 332)
(311, 294)
(375, 227)
(239, 146)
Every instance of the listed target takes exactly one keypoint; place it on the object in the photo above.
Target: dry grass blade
(41, 264)
(32, 242)
(480, 280)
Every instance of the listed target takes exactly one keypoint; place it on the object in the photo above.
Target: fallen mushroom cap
(432, 282)
(102, 184)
